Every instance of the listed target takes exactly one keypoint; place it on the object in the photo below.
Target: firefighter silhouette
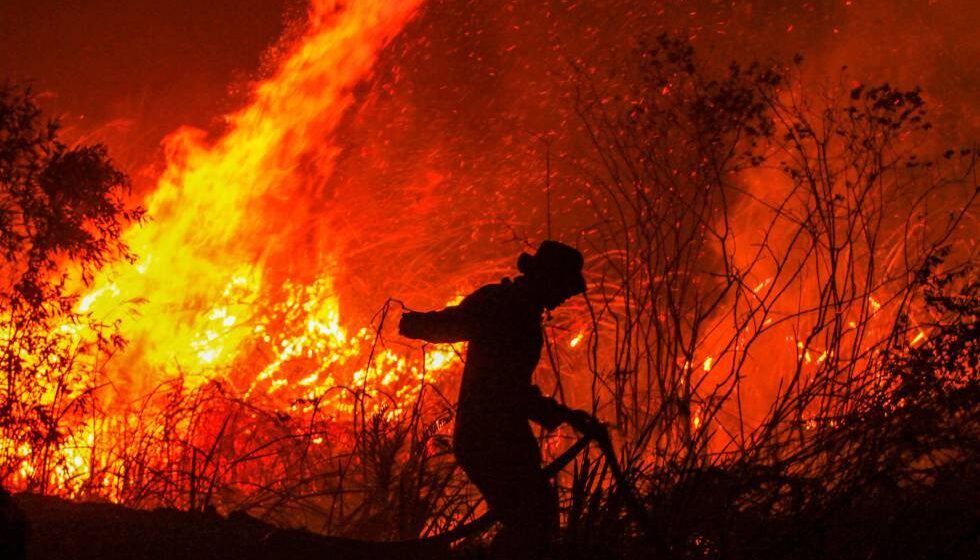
(493, 441)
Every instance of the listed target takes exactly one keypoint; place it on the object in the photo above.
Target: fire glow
(223, 210)
(204, 294)
(235, 287)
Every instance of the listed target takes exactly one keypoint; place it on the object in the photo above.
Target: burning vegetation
(780, 328)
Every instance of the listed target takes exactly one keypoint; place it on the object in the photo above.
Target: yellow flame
(210, 285)
(224, 209)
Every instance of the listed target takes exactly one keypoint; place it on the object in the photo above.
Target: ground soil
(60, 529)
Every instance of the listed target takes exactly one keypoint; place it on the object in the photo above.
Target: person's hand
(584, 423)
(408, 324)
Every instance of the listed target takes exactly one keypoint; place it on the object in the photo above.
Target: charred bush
(784, 316)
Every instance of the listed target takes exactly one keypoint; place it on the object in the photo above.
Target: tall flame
(225, 210)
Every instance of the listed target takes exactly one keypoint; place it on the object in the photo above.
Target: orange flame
(224, 211)
(220, 277)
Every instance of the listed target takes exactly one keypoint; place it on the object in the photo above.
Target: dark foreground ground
(60, 530)
(943, 526)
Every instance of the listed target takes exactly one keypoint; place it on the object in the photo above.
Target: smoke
(443, 164)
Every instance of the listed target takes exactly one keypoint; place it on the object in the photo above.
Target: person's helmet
(556, 266)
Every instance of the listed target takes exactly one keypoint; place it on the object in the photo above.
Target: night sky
(130, 72)
(133, 71)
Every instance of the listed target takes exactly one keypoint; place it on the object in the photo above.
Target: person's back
(501, 356)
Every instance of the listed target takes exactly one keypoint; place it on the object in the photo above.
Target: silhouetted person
(493, 441)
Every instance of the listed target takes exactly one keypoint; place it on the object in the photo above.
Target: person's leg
(507, 471)
(529, 517)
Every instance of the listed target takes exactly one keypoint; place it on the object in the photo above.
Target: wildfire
(228, 285)
(224, 212)
(235, 284)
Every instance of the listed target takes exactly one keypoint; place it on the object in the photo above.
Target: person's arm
(455, 323)
(544, 410)
(451, 324)
(549, 413)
